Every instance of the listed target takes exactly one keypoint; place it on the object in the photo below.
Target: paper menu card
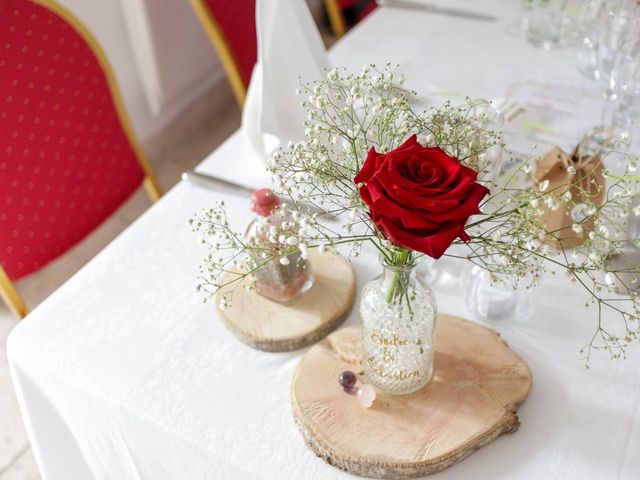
(553, 115)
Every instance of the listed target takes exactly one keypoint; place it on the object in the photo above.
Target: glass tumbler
(546, 23)
(496, 300)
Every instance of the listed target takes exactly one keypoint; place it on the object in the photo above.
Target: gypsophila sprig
(360, 164)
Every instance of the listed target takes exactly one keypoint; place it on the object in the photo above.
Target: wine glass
(587, 52)
(446, 272)
(626, 117)
(489, 117)
(520, 26)
(573, 22)
(617, 27)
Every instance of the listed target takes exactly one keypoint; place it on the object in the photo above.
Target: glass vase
(278, 280)
(284, 283)
(398, 311)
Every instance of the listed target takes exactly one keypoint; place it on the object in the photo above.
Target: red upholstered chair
(344, 13)
(231, 27)
(68, 155)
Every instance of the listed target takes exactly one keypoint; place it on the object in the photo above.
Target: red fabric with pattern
(65, 161)
(367, 10)
(359, 8)
(237, 20)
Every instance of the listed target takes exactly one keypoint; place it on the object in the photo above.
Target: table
(123, 373)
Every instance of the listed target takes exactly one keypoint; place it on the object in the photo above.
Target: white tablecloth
(124, 374)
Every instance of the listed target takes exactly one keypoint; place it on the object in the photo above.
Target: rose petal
(420, 198)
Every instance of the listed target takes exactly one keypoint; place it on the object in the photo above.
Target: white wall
(187, 64)
(186, 58)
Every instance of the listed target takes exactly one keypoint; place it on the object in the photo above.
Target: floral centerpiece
(377, 173)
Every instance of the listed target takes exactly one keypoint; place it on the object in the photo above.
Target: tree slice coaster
(273, 327)
(477, 386)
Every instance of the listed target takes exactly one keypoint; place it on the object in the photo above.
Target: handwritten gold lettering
(396, 375)
(394, 340)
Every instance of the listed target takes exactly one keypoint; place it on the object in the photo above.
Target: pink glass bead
(366, 395)
(264, 201)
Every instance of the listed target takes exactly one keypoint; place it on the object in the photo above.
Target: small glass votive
(497, 300)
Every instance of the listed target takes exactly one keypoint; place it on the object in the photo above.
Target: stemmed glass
(574, 21)
(587, 52)
(447, 272)
(617, 27)
(520, 26)
(625, 80)
(626, 117)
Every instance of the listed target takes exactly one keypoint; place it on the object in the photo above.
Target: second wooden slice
(273, 327)
(477, 386)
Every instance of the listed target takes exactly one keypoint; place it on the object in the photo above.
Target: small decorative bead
(366, 395)
(264, 201)
(351, 390)
(347, 379)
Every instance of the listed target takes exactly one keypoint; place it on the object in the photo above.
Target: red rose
(419, 197)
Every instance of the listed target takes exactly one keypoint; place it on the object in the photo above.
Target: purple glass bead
(351, 390)
(347, 379)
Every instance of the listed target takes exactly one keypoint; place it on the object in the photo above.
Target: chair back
(68, 156)
(357, 10)
(343, 14)
(231, 26)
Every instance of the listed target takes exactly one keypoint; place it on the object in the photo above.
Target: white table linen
(125, 374)
(289, 47)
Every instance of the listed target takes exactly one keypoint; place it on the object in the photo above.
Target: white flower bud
(544, 185)
(604, 231)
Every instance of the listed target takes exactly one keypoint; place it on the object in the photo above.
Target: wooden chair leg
(221, 45)
(336, 17)
(11, 297)
(151, 185)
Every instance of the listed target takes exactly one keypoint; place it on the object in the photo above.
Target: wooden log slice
(273, 327)
(477, 386)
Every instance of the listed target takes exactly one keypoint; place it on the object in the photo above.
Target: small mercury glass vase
(284, 283)
(283, 279)
(398, 311)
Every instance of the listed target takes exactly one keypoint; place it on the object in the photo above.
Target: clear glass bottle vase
(398, 311)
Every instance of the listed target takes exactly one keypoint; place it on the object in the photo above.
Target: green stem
(399, 258)
(392, 287)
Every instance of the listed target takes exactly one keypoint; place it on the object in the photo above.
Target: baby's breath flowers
(350, 114)
(282, 237)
